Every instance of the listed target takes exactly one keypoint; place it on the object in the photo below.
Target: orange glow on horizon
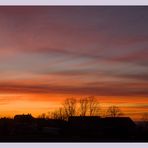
(12, 104)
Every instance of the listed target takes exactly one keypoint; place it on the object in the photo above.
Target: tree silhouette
(93, 106)
(114, 111)
(59, 114)
(69, 107)
(84, 106)
(42, 116)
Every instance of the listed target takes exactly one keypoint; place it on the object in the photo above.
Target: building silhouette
(110, 127)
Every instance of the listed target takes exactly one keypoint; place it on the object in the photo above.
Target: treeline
(85, 106)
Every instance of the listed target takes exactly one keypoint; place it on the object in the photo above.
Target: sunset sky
(50, 53)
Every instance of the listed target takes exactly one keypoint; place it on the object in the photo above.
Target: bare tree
(93, 106)
(84, 104)
(59, 114)
(114, 111)
(42, 116)
(89, 106)
(69, 106)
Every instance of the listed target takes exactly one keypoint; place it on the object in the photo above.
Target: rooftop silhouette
(25, 128)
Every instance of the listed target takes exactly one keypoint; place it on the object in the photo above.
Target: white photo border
(75, 3)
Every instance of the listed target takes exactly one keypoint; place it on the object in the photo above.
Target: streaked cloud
(98, 51)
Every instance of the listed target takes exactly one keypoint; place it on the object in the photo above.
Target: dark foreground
(24, 128)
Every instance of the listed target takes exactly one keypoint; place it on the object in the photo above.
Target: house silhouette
(23, 118)
(24, 124)
(103, 127)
